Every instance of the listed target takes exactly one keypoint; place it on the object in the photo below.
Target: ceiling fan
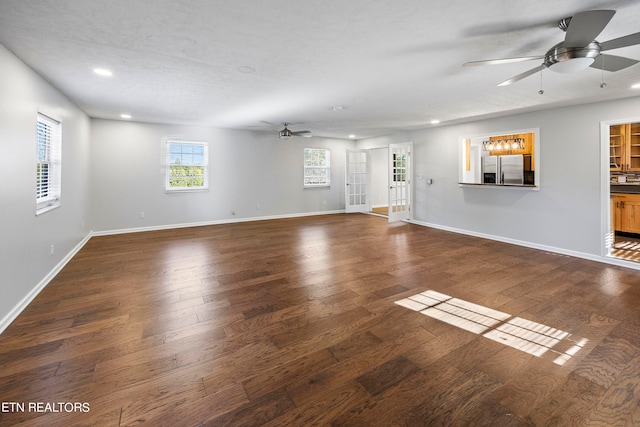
(286, 133)
(579, 49)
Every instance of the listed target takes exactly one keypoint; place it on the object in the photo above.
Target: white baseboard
(216, 222)
(15, 312)
(553, 249)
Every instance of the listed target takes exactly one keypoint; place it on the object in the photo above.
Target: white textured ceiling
(391, 65)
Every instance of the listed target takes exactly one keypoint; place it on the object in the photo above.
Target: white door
(399, 181)
(357, 192)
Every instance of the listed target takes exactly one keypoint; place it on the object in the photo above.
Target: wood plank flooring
(627, 247)
(293, 322)
(383, 210)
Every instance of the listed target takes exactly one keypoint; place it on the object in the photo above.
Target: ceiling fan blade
(501, 61)
(585, 27)
(522, 75)
(303, 133)
(612, 62)
(629, 40)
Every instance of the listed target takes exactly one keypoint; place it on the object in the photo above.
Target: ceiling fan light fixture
(285, 134)
(571, 59)
(572, 65)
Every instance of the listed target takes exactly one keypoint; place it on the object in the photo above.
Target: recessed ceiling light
(635, 86)
(435, 121)
(352, 136)
(125, 116)
(337, 108)
(103, 72)
(246, 69)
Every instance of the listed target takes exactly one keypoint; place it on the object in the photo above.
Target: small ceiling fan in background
(579, 49)
(286, 133)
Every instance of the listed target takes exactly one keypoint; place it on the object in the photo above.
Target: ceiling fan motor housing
(285, 133)
(569, 59)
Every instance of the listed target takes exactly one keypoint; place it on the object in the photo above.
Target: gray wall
(566, 213)
(247, 169)
(26, 239)
(112, 172)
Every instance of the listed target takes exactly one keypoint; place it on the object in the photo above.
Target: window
(48, 163)
(187, 166)
(317, 167)
(399, 167)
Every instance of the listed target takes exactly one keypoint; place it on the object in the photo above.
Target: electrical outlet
(52, 249)
(258, 207)
(233, 212)
(141, 215)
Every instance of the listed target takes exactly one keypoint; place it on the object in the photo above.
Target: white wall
(25, 239)
(379, 177)
(566, 213)
(247, 169)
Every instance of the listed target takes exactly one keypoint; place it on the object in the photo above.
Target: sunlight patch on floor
(626, 249)
(522, 334)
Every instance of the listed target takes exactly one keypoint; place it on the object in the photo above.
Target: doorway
(620, 143)
(379, 181)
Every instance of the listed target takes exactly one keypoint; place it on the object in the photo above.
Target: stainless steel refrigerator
(503, 170)
(511, 169)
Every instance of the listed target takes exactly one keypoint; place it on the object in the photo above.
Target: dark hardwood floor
(626, 246)
(294, 322)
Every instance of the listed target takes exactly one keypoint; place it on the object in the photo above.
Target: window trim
(53, 160)
(327, 168)
(167, 161)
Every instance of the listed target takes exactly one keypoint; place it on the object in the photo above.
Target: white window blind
(48, 163)
(317, 167)
(187, 166)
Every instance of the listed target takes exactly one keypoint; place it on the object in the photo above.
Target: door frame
(607, 235)
(410, 177)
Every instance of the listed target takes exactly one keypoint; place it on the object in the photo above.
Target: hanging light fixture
(503, 144)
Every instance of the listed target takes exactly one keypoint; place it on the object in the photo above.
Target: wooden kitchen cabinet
(633, 138)
(624, 147)
(616, 147)
(626, 212)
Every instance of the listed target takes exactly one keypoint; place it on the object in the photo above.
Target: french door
(399, 181)
(357, 179)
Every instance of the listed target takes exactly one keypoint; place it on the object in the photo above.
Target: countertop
(625, 187)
